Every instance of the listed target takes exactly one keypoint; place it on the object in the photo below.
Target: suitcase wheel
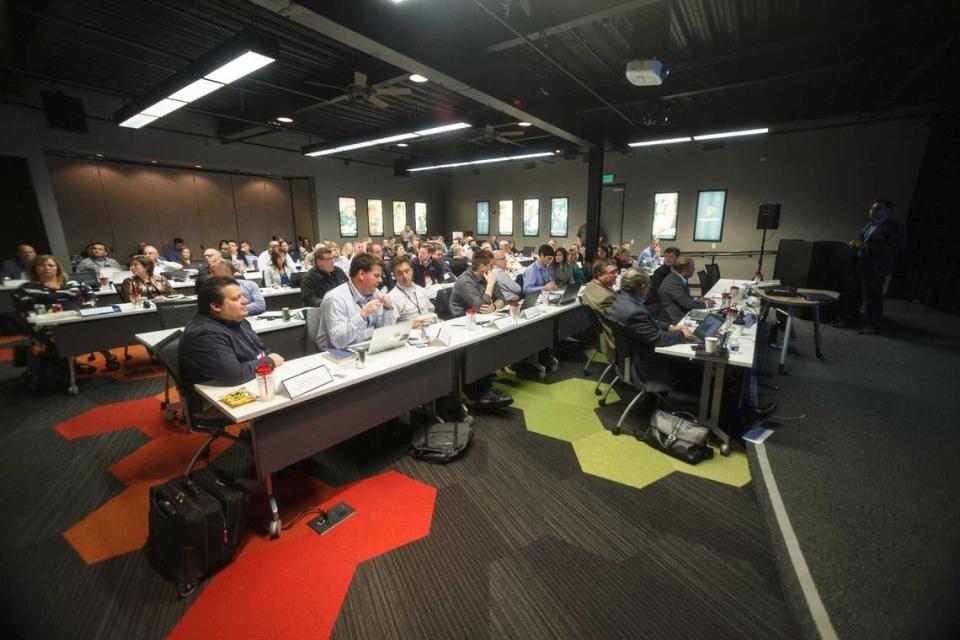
(187, 588)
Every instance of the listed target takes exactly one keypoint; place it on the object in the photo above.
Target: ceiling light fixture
(731, 134)
(651, 143)
(284, 119)
(402, 144)
(416, 77)
(454, 165)
(317, 150)
(198, 166)
(237, 57)
(524, 124)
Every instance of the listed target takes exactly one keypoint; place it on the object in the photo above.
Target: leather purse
(678, 436)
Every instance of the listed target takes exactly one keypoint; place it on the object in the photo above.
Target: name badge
(307, 381)
(505, 323)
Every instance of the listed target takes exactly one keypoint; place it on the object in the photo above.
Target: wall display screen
(483, 218)
(665, 215)
(375, 217)
(531, 217)
(348, 217)
(709, 223)
(505, 218)
(559, 213)
(420, 218)
(399, 216)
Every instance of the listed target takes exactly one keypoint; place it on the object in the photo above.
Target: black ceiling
(558, 63)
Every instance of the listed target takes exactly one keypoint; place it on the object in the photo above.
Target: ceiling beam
(325, 26)
(572, 24)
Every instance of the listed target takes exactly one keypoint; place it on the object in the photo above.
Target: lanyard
(413, 299)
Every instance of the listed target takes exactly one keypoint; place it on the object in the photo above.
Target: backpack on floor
(441, 441)
(46, 372)
(197, 523)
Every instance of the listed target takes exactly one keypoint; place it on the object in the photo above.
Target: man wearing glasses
(509, 286)
(321, 278)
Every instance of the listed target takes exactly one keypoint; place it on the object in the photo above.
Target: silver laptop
(568, 296)
(386, 338)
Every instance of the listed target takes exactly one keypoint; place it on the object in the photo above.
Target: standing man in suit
(674, 292)
(877, 246)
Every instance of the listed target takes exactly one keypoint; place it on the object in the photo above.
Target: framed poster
(559, 216)
(399, 216)
(348, 216)
(483, 217)
(505, 218)
(709, 223)
(375, 217)
(420, 218)
(531, 217)
(665, 207)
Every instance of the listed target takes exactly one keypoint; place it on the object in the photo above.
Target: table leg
(72, 388)
(816, 329)
(718, 375)
(275, 525)
(705, 392)
(786, 341)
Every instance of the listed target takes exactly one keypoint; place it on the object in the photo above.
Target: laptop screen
(708, 327)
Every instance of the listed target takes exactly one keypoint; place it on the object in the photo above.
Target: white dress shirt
(410, 303)
(341, 324)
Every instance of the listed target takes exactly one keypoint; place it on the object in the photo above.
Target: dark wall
(21, 213)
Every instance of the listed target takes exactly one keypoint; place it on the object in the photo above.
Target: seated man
(599, 296)
(670, 255)
(441, 269)
(513, 265)
(410, 301)
(508, 284)
(174, 254)
(20, 267)
(377, 252)
(219, 345)
(425, 270)
(478, 289)
(159, 266)
(97, 259)
(350, 312)
(644, 333)
(650, 257)
(321, 279)
(256, 303)
(674, 293)
(210, 257)
(537, 276)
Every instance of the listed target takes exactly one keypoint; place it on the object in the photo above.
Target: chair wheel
(597, 392)
(602, 402)
(615, 431)
(725, 449)
(113, 365)
(187, 588)
(275, 529)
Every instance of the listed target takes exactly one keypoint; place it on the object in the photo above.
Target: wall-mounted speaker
(64, 112)
(400, 166)
(769, 216)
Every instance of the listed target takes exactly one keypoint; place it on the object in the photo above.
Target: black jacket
(317, 283)
(645, 333)
(878, 254)
(218, 351)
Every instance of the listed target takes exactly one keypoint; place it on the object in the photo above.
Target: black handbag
(678, 436)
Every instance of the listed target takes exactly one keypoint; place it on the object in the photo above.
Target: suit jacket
(878, 253)
(644, 334)
(600, 299)
(674, 299)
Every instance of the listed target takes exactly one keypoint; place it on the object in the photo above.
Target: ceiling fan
(490, 134)
(360, 91)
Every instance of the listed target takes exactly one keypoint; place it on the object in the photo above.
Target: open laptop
(386, 338)
(568, 296)
(708, 327)
(697, 315)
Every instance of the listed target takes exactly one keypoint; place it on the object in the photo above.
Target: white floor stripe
(819, 613)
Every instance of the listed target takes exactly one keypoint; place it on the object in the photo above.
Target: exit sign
(608, 178)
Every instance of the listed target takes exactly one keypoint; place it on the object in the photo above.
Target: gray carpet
(866, 459)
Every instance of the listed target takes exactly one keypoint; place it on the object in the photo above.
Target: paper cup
(711, 345)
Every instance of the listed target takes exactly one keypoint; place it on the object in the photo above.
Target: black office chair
(596, 334)
(310, 329)
(625, 373)
(296, 278)
(704, 282)
(174, 314)
(441, 304)
(520, 281)
(713, 275)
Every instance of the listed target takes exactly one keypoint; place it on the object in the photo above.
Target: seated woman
(560, 270)
(576, 266)
(143, 283)
(50, 287)
(185, 257)
(278, 273)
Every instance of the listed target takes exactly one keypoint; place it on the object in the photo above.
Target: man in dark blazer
(877, 246)
(673, 296)
(644, 332)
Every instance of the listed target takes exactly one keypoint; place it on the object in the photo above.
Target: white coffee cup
(711, 345)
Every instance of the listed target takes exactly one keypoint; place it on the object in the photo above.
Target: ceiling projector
(645, 73)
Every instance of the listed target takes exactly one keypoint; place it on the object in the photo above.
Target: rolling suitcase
(196, 523)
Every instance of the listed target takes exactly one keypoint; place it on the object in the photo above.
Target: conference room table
(715, 366)
(285, 429)
(76, 334)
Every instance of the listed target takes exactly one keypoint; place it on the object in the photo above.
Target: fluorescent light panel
(454, 165)
(195, 90)
(137, 120)
(163, 107)
(245, 64)
(651, 143)
(388, 139)
(731, 134)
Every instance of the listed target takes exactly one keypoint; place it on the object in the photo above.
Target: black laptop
(568, 296)
(708, 327)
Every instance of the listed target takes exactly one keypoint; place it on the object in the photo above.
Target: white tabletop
(346, 373)
(269, 292)
(265, 323)
(67, 317)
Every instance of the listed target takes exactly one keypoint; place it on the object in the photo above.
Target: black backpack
(46, 372)
(441, 441)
